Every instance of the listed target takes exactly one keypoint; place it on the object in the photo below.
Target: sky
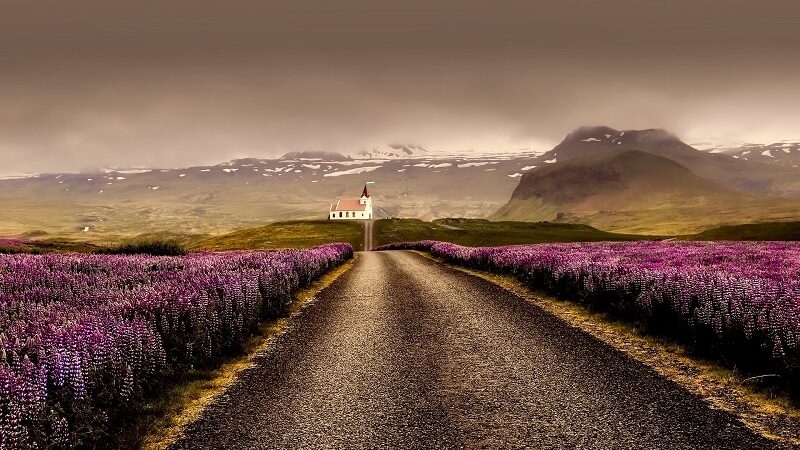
(105, 83)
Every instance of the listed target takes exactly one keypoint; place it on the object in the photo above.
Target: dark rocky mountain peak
(590, 140)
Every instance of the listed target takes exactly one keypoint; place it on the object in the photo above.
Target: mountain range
(785, 153)
(739, 174)
(632, 180)
(249, 192)
(650, 181)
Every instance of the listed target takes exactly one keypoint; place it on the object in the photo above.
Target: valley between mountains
(633, 181)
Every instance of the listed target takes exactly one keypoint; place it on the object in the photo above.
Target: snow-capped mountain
(650, 181)
(785, 153)
(411, 181)
(391, 151)
(251, 191)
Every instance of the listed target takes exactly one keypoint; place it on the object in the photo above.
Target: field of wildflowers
(738, 301)
(83, 337)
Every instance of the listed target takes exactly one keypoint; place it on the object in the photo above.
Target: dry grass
(164, 418)
(769, 413)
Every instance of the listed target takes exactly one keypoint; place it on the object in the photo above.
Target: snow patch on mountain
(355, 171)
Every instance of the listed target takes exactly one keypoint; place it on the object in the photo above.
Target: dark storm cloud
(85, 84)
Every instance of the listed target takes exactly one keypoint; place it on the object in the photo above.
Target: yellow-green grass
(471, 232)
(50, 246)
(291, 234)
(767, 231)
(482, 232)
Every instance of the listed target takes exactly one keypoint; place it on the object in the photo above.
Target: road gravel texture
(402, 352)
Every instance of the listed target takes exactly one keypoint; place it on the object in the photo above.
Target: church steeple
(364, 193)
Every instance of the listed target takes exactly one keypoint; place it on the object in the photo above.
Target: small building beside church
(352, 208)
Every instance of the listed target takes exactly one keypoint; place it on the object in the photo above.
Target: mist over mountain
(649, 181)
(754, 177)
(315, 155)
(785, 153)
(393, 151)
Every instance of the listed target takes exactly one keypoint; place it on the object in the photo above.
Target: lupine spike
(97, 330)
(742, 298)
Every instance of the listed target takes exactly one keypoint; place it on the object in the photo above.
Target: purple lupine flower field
(738, 301)
(85, 336)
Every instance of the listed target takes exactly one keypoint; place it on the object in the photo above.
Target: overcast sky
(90, 84)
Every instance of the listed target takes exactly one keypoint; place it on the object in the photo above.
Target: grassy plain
(767, 231)
(290, 234)
(482, 232)
(470, 232)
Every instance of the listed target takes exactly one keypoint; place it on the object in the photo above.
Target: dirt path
(401, 352)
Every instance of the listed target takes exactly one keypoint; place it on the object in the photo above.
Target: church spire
(364, 193)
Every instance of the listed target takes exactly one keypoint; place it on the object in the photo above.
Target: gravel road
(402, 352)
(368, 227)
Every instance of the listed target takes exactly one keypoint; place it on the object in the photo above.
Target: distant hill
(392, 151)
(593, 140)
(785, 154)
(634, 191)
(768, 231)
(736, 173)
(249, 192)
(614, 180)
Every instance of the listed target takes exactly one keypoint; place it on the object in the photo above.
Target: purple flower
(97, 331)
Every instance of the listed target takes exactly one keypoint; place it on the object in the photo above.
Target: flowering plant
(737, 300)
(83, 336)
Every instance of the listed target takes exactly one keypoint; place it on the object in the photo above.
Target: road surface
(368, 225)
(402, 352)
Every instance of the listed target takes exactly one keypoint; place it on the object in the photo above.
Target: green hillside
(768, 231)
(482, 232)
(296, 234)
(471, 232)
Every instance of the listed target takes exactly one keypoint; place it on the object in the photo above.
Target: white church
(352, 208)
